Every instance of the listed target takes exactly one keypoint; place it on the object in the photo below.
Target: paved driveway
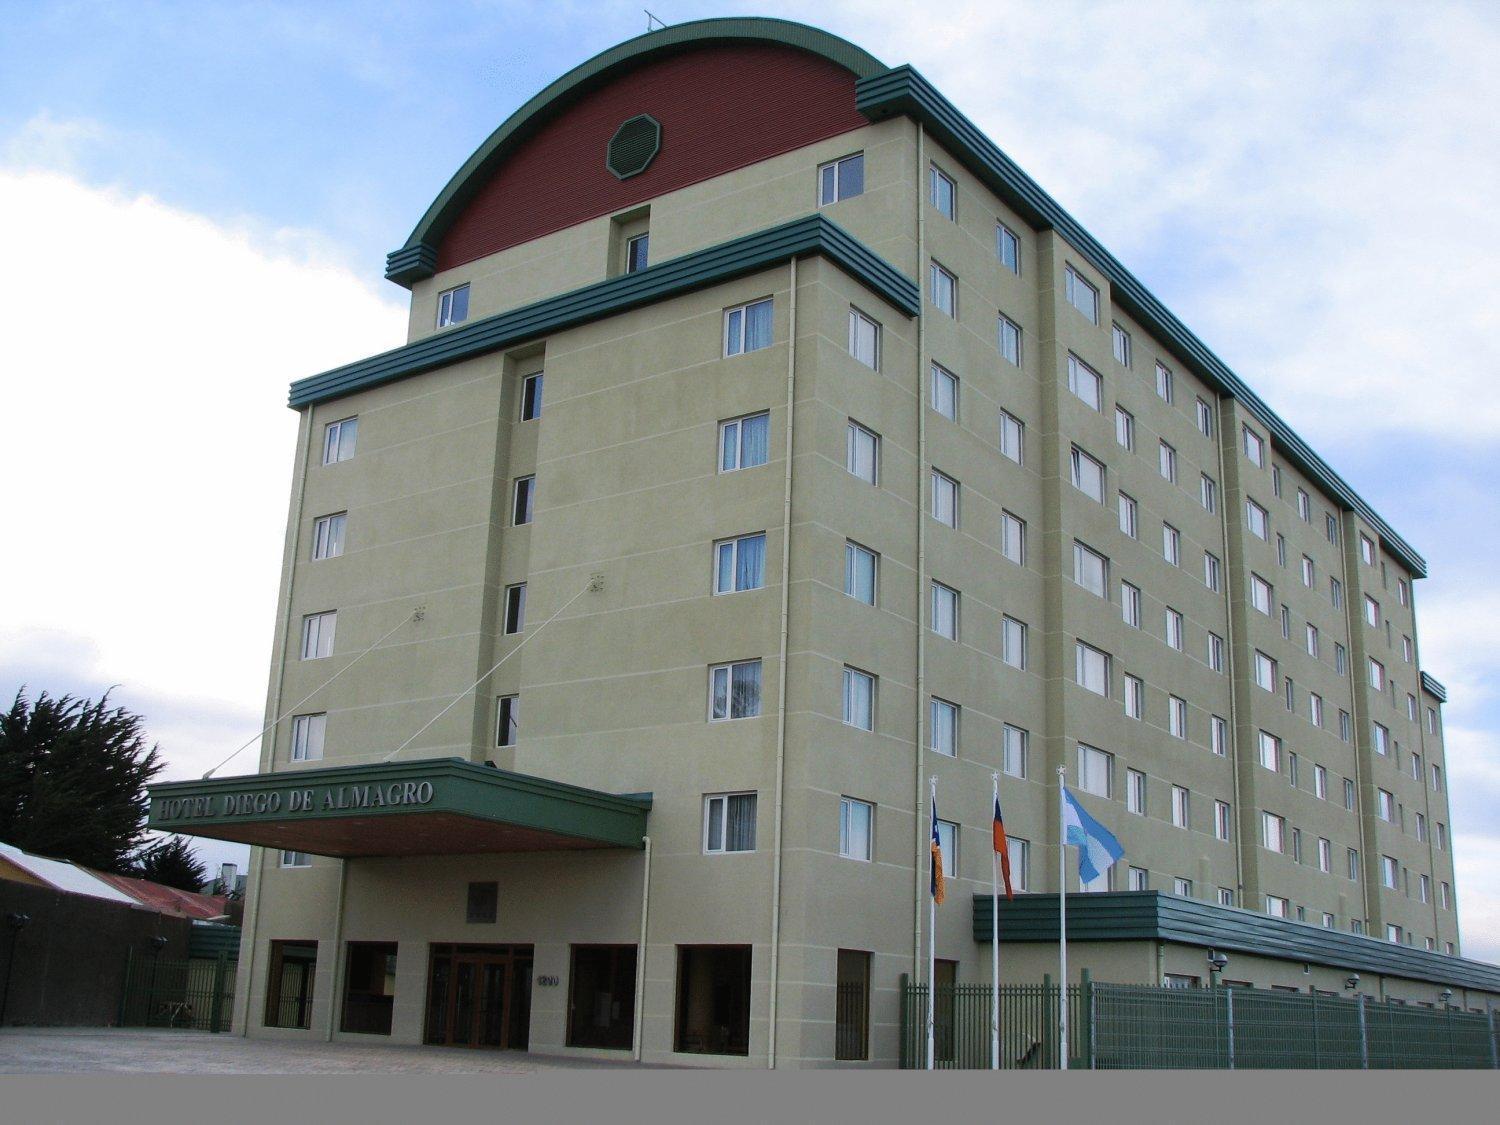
(139, 1051)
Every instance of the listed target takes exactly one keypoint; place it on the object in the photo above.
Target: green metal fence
(162, 992)
(1123, 1026)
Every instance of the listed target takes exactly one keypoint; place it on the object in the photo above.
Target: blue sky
(1310, 187)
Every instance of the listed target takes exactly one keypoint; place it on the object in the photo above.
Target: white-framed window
(515, 608)
(1173, 630)
(507, 720)
(328, 535)
(944, 722)
(1273, 832)
(453, 306)
(1416, 773)
(1340, 659)
(1445, 900)
(740, 564)
(1095, 770)
(1163, 382)
(1281, 550)
(944, 499)
(1085, 383)
(1016, 749)
(1304, 506)
(862, 453)
(1212, 571)
(1130, 604)
(1088, 475)
(1265, 672)
(1226, 896)
(338, 440)
(861, 572)
(1130, 518)
(1140, 879)
(1008, 248)
(1331, 527)
(637, 252)
(744, 442)
(1124, 428)
(1309, 572)
(1171, 545)
(734, 690)
(1183, 888)
(1221, 820)
(1177, 716)
(747, 328)
(947, 833)
(1286, 622)
(942, 192)
(1408, 652)
(1313, 640)
(859, 699)
(1135, 697)
(1091, 669)
(1442, 836)
(1013, 538)
(1349, 794)
(1336, 593)
(945, 611)
(1255, 448)
(1421, 828)
(1081, 294)
(1403, 591)
(308, 732)
(1258, 519)
(729, 823)
(1315, 708)
(1208, 492)
(1424, 890)
(317, 634)
(1390, 872)
(1320, 782)
(1270, 751)
(943, 289)
(856, 828)
(531, 397)
(1090, 570)
(1325, 855)
(1012, 437)
(1381, 736)
(1385, 805)
(1013, 642)
(1204, 415)
(523, 500)
(1120, 342)
(1372, 611)
(1218, 736)
(944, 390)
(1276, 906)
(1020, 863)
(1366, 549)
(864, 339)
(1377, 674)
(1437, 777)
(839, 179)
(1181, 813)
(1135, 792)
(1167, 461)
(295, 859)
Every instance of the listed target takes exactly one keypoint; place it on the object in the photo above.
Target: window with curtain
(729, 822)
(740, 564)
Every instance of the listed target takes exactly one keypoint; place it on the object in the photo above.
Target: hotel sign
(280, 801)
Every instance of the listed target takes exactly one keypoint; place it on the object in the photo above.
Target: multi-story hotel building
(766, 444)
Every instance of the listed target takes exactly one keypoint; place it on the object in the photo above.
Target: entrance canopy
(436, 806)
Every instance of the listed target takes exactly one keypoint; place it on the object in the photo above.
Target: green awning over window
(436, 806)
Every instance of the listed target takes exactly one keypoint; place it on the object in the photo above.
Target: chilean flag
(938, 887)
(1002, 848)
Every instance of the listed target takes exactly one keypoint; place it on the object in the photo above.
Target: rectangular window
(1129, 515)
(1315, 708)
(1173, 629)
(1377, 674)
(1273, 832)
(328, 536)
(453, 306)
(1095, 771)
(1009, 339)
(1221, 820)
(1008, 248)
(1013, 642)
(1390, 872)
(1407, 653)
(1171, 545)
(1258, 519)
(1325, 855)
(851, 1033)
(729, 823)
(944, 499)
(1403, 591)
(295, 859)
(1445, 900)
(1381, 736)
(1140, 879)
(942, 192)
(1286, 622)
(1211, 571)
(1081, 295)
(1090, 570)
(1255, 448)
(1270, 751)
(1176, 716)
(338, 440)
(1226, 896)
(1205, 419)
(943, 289)
(1442, 836)
(713, 1000)
(860, 569)
(1183, 888)
(862, 453)
(856, 828)
(1219, 740)
(841, 179)
(1312, 639)
(1367, 549)
(531, 397)
(307, 737)
(317, 635)
(1135, 697)
(859, 699)
(1120, 340)
(734, 690)
(1292, 765)
(1012, 437)
(747, 328)
(1130, 604)
(1424, 889)
(1020, 863)
(1262, 595)
(1091, 669)
(1437, 778)
(1372, 611)
(947, 833)
(523, 500)
(1309, 576)
(1320, 782)
(740, 564)
(1332, 527)
(1163, 383)
(507, 720)
(1304, 506)
(1015, 744)
(1265, 672)
(1351, 865)
(601, 996)
(1181, 817)
(864, 339)
(1336, 593)
(1088, 475)
(289, 985)
(1124, 427)
(515, 608)
(1385, 805)
(945, 611)
(1013, 538)
(1215, 652)
(1208, 492)
(1421, 828)
(1276, 907)
(745, 442)
(1135, 792)
(945, 392)
(1167, 462)
(637, 252)
(1085, 383)
(1281, 550)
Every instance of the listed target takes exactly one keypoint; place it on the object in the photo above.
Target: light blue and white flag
(1098, 849)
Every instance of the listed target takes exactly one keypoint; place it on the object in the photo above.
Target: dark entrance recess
(713, 999)
(289, 987)
(601, 996)
(479, 996)
(369, 987)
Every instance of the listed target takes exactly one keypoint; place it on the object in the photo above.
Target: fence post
(1364, 1036)
(1317, 1047)
(1229, 1012)
(905, 1018)
(1494, 1061)
(1091, 1023)
(216, 1005)
(1049, 1025)
(125, 985)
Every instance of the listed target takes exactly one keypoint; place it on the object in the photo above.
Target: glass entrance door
(479, 996)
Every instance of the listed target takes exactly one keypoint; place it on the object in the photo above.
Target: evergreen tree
(171, 863)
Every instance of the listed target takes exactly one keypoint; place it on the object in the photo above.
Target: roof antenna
(652, 19)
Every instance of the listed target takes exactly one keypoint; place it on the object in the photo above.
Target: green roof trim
(1158, 916)
(210, 939)
(1433, 688)
(902, 90)
(417, 258)
(813, 234)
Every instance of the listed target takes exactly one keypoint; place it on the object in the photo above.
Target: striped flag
(1002, 848)
(937, 858)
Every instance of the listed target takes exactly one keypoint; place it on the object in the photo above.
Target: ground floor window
(713, 999)
(289, 984)
(479, 996)
(601, 996)
(852, 1012)
(369, 987)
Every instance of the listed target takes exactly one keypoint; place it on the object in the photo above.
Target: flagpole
(995, 940)
(1062, 919)
(931, 944)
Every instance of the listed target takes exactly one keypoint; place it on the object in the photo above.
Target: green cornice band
(1157, 916)
(404, 269)
(724, 262)
(902, 90)
(1434, 688)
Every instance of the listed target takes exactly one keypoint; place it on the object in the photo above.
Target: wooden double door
(479, 996)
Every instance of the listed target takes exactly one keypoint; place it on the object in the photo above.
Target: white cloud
(1476, 862)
